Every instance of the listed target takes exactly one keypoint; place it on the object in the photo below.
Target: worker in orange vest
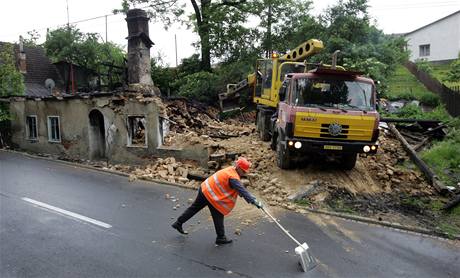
(219, 192)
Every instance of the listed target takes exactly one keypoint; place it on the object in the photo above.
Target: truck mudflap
(301, 145)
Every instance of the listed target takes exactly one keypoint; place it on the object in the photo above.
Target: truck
(307, 109)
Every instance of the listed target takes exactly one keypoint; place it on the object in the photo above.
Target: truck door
(264, 78)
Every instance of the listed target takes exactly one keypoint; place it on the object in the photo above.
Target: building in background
(438, 41)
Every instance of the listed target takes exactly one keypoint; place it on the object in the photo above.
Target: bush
(201, 86)
(454, 73)
(413, 111)
(424, 65)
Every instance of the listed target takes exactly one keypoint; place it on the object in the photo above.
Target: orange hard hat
(243, 164)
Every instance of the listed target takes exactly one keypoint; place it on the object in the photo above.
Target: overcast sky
(19, 16)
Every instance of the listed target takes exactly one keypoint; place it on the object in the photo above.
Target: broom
(307, 261)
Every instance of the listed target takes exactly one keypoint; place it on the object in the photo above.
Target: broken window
(31, 123)
(137, 135)
(54, 131)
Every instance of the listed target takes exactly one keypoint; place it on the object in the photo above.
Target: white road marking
(68, 213)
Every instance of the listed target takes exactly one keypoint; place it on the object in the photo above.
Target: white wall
(442, 36)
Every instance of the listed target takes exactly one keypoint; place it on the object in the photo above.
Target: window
(137, 134)
(54, 131)
(424, 50)
(31, 125)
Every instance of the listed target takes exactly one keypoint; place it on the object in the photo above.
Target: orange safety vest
(218, 191)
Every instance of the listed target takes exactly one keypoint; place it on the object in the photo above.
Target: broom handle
(273, 218)
(281, 227)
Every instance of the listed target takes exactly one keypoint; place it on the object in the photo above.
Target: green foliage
(424, 65)
(444, 157)
(11, 80)
(454, 73)
(163, 76)
(201, 86)
(412, 111)
(363, 47)
(84, 49)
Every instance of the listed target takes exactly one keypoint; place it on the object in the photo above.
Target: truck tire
(349, 161)
(263, 128)
(274, 140)
(283, 159)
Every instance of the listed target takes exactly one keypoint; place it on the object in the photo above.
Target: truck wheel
(262, 127)
(282, 156)
(274, 141)
(349, 161)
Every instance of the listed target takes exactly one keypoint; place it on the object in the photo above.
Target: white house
(437, 41)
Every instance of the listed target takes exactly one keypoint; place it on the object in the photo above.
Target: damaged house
(122, 125)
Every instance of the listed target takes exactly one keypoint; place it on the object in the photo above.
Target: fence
(450, 97)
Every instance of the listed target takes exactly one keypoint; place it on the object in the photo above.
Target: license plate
(331, 147)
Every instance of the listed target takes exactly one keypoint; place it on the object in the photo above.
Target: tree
(287, 24)
(84, 49)
(11, 83)
(213, 20)
(11, 80)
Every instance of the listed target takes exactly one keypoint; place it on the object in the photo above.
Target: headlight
(373, 148)
(298, 145)
(366, 149)
(290, 143)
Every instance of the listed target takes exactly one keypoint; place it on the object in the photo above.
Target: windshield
(343, 94)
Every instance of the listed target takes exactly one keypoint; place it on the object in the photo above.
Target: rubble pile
(167, 169)
(393, 169)
(190, 123)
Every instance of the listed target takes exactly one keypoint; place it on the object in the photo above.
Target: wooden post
(440, 187)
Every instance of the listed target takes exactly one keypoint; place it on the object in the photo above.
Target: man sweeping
(219, 192)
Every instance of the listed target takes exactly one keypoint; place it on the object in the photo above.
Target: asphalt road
(126, 233)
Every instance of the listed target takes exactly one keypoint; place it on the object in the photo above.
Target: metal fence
(450, 97)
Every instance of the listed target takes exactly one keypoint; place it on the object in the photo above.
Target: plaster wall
(75, 127)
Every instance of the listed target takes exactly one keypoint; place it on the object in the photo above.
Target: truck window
(344, 94)
(268, 74)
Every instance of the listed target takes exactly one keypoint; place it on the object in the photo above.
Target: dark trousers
(199, 203)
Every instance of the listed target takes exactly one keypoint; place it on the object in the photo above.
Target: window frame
(424, 50)
(129, 138)
(28, 129)
(49, 125)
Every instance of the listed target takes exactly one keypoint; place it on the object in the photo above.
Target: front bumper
(327, 146)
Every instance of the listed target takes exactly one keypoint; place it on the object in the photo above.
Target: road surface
(58, 220)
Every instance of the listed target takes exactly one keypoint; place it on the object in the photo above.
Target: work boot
(223, 240)
(178, 226)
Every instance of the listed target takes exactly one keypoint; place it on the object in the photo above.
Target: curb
(357, 218)
(385, 224)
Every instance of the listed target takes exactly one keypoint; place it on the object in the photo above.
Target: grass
(444, 158)
(440, 72)
(449, 222)
(404, 86)
(303, 202)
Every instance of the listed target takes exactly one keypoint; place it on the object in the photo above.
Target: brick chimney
(139, 45)
(22, 57)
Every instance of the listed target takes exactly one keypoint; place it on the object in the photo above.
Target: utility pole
(175, 44)
(106, 41)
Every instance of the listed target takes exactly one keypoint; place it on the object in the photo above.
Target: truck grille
(324, 133)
